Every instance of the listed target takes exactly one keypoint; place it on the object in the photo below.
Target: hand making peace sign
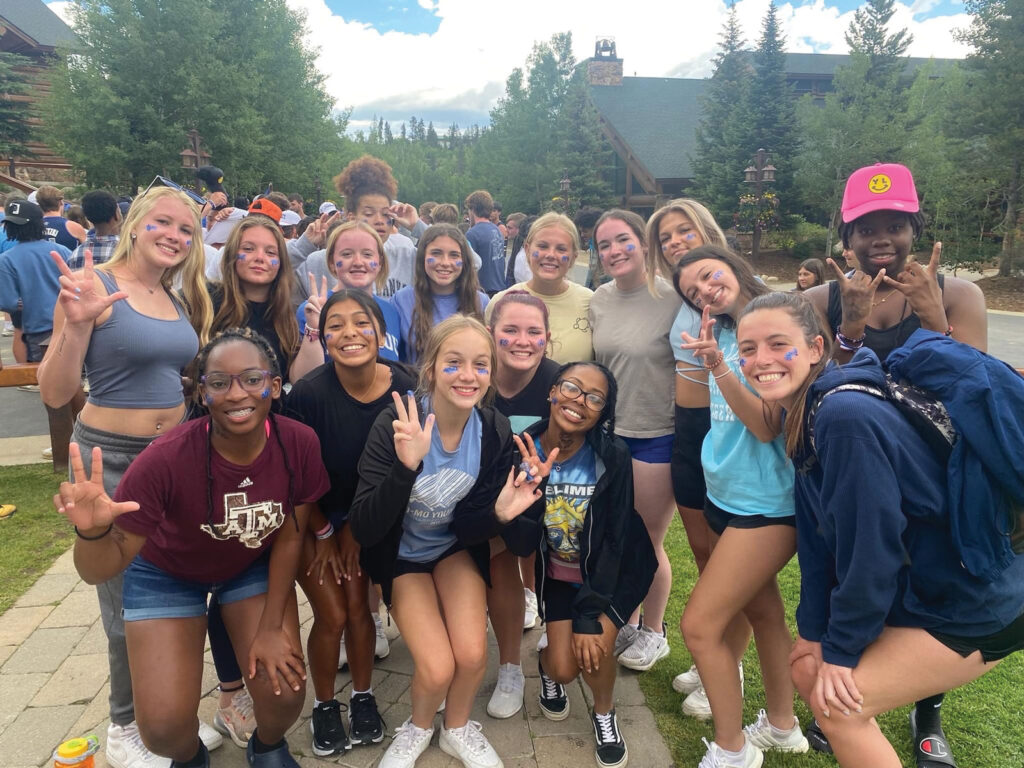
(78, 297)
(521, 487)
(315, 302)
(412, 440)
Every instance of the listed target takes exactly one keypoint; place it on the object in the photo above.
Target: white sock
(779, 732)
(733, 755)
(356, 693)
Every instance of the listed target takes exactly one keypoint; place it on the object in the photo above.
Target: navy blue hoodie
(873, 536)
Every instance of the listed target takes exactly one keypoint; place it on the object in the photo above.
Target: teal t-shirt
(744, 476)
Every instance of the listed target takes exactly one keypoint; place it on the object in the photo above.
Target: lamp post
(564, 186)
(319, 191)
(194, 156)
(761, 172)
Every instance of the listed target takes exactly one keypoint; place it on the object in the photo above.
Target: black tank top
(881, 341)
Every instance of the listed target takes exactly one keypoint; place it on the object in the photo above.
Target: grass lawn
(984, 721)
(36, 535)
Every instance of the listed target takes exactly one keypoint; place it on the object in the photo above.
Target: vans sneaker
(469, 744)
(507, 698)
(553, 701)
(648, 649)
(408, 744)
(611, 749)
(763, 735)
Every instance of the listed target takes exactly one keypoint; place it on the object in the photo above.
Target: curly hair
(366, 176)
(606, 420)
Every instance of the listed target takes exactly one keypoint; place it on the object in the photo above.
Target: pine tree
(388, 137)
(15, 131)
(868, 33)
(432, 138)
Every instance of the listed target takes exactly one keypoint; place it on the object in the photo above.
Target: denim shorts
(650, 450)
(152, 593)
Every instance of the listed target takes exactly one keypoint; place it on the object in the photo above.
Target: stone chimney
(606, 67)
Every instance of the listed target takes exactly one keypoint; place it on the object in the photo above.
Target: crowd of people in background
(425, 417)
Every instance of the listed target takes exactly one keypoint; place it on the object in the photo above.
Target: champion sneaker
(329, 737)
(408, 744)
(763, 735)
(365, 725)
(382, 647)
(126, 750)
(648, 649)
(531, 618)
(611, 749)
(237, 721)
(469, 744)
(688, 681)
(554, 702)
(275, 758)
(715, 757)
(507, 698)
(626, 637)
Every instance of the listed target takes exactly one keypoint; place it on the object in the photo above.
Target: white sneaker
(237, 720)
(626, 637)
(390, 625)
(697, 704)
(47, 453)
(531, 618)
(542, 642)
(507, 698)
(209, 736)
(686, 682)
(714, 758)
(126, 750)
(469, 744)
(646, 651)
(342, 654)
(383, 647)
(763, 735)
(408, 744)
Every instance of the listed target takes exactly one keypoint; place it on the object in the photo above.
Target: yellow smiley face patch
(879, 184)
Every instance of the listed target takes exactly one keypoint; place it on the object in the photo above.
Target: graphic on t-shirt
(245, 483)
(434, 496)
(249, 523)
(583, 324)
(565, 507)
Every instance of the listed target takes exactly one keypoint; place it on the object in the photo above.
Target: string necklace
(373, 381)
(136, 279)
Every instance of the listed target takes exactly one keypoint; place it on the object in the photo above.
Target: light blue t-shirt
(391, 349)
(566, 503)
(445, 305)
(446, 479)
(744, 476)
(687, 320)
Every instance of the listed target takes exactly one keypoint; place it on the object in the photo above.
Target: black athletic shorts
(688, 486)
(411, 566)
(558, 599)
(718, 519)
(993, 647)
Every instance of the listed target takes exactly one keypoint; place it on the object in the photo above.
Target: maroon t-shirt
(190, 541)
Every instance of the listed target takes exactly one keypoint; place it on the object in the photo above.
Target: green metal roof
(826, 63)
(35, 20)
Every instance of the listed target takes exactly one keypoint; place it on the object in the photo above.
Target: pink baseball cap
(879, 187)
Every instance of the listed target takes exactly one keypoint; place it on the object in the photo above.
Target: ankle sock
(199, 759)
(929, 714)
(358, 693)
(781, 732)
(733, 755)
(260, 748)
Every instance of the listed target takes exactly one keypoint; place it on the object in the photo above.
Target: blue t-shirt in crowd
(391, 349)
(28, 274)
(445, 305)
(55, 229)
(566, 502)
(744, 476)
(445, 480)
(486, 240)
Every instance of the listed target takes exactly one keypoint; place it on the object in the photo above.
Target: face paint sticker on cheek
(450, 369)
(536, 254)
(209, 399)
(630, 247)
(275, 262)
(458, 263)
(150, 227)
(482, 371)
(265, 394)
(188, 243)
(431, 260)
(791, 354)
(369, 332)
(504, 342)
(743, 362)
(565, 259)
(718, 275)
(374, 265)
(241, 257)
(541, 343)
(691, 236)
(327, 336)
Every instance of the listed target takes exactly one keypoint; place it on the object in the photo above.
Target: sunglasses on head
(163, 181)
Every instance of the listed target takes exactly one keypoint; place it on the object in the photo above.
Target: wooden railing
(61, 419)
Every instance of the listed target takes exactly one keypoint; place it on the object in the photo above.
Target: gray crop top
(134, 360)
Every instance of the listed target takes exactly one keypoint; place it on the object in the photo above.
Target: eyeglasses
(594, 401)
(252, 381)
(163, 181)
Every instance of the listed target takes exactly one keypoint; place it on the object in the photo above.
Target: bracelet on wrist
(325, 533)
(722, 375)
(93, 538)
(848, 344)
(716, 361)
(312, 334)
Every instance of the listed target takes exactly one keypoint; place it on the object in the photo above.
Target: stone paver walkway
(53, 685)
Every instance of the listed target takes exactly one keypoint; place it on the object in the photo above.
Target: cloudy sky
(447, 60)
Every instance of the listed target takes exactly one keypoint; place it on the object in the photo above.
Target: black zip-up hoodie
(385, 484)
(617, 560)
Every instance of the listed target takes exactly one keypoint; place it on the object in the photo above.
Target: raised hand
(84, 501)
(705, 346)
(921, 287)
(315, 302)
(521, 488)
(412, 440)
(78, 297)
(316, 232)
(857, 294)
(405, 215)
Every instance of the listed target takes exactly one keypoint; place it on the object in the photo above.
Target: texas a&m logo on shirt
(249, 523)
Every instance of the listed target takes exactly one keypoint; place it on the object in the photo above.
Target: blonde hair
(382, 276)
(558, 221)
(703, 221)
(438, 336)
(192, 268)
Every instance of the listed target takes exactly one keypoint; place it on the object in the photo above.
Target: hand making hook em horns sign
(857, 293)
(78, 296)
(920, 286)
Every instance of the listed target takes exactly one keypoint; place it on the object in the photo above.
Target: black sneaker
(611, 749)
(816, 738)
(364, 721)
(328, 731)
(553, 701)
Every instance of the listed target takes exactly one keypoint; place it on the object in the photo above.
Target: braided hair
(227, 336)
(606, 421)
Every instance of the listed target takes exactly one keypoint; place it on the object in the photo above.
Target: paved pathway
(53, 685)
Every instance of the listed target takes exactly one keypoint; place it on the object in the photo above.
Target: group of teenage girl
(464, 454)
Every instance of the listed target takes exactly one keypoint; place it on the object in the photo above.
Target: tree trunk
(1010, 222)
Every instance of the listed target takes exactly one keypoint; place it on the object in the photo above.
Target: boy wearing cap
(878, 306)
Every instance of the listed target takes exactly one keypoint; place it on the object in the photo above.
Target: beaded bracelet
(848, 344)
(716, 362)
